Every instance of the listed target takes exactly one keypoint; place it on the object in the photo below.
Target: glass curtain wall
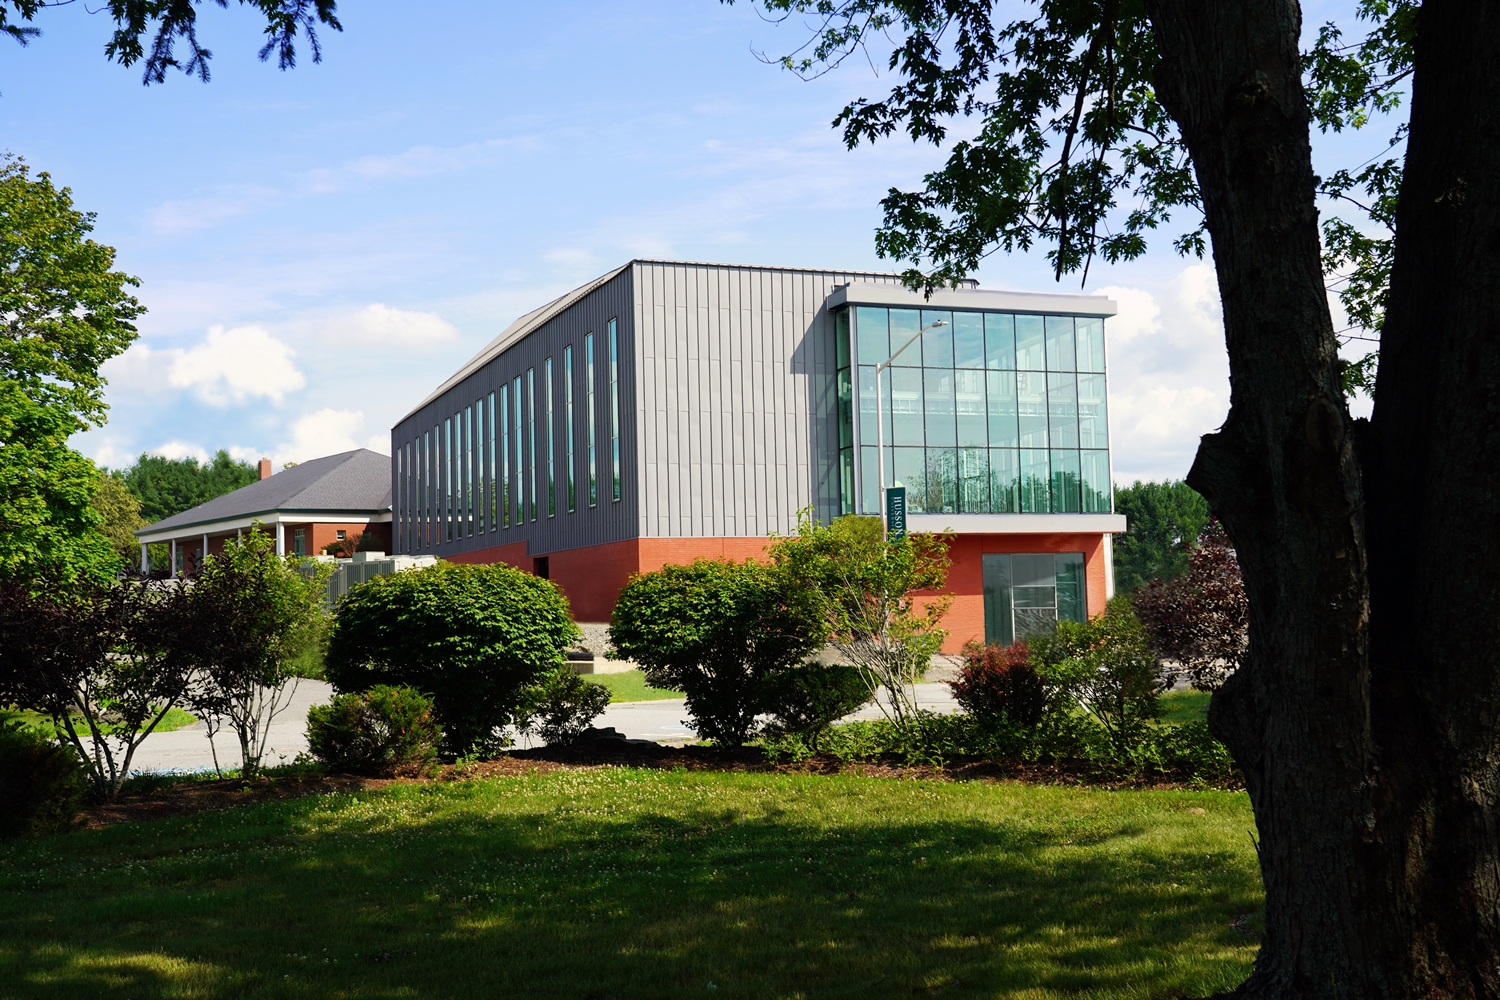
(990, 413)
(1026, 593)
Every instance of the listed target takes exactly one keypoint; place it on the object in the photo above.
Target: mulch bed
(190, 796)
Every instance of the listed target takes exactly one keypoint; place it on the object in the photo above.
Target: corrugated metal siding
(607, 520)
(736, 390)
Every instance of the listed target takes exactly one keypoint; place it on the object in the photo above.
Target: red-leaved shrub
(999, 683)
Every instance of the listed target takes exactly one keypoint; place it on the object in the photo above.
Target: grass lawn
(1184, 706)
(630, 686)
(619, 882)
(175, 719)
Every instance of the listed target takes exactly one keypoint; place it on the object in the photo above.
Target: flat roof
(975, 298)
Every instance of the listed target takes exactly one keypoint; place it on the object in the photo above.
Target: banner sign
(895, 512)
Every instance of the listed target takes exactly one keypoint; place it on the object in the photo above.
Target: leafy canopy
(168, 22)
(167, 486)
(1071, 150)
(65, 312)
(1164, 520)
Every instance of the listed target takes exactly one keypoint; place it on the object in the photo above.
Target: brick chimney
(265, 468)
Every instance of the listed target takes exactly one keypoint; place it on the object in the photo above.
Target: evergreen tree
(1163, 520)
(167, 486)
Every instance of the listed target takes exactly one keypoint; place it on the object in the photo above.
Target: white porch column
(174, 559)
(280, 539)
(145, 559)
(203, 558)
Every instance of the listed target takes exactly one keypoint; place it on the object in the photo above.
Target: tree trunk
(1369, 752)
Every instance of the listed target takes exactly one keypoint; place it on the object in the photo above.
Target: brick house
(307, 506)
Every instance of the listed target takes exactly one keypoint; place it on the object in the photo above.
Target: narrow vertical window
(468, 470)
(614, 410)
(551, 474)
(479, 466)
(520, 452)
(531, 439)
(448, 478)
(424, 533)
(505, 456)
(588, 394)
(568, 421)
(398, 528)
(494, 469)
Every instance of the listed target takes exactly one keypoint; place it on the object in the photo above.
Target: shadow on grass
(449, 892)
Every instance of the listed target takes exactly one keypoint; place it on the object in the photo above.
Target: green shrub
(717, 632)
(42, 783)
(568, 705)
(477, 639)
(999, 684)
(377, 731)
(1106, 668)
(806, 699)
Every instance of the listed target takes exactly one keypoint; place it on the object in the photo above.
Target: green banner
(895, 512)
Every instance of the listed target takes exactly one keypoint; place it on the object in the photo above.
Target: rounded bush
(477, 639)
(379, 731)
(42, 784)
(568, 705)
(1000, 684)
(806, 699)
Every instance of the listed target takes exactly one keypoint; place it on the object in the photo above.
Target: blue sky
(319, 248)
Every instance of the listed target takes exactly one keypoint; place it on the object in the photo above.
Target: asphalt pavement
(659, 721)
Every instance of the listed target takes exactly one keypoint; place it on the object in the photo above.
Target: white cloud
(235, 366)
(328, 432)
(379, 324)
(180, 450)
(1169, 374)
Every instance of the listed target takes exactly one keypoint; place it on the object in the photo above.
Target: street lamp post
(880, 415)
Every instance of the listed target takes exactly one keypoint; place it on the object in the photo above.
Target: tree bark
(1365, 715)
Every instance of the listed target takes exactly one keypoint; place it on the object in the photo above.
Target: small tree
(252, 613)
(478, 639)
(105, 668)
(870, 597)
(717, 631)
(1200, 621)
(1106, 668)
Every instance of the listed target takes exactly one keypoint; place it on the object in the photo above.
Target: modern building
(668, 411)
(308, 506)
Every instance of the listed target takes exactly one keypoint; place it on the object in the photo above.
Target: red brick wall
(592, 576)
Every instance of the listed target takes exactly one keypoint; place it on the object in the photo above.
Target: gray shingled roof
(355, 481)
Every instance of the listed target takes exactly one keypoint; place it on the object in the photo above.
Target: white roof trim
(1018, 524)
(974, 298)
(267, 519)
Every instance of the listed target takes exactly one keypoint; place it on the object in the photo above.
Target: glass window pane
(911, 471)
(846, 409)
(937, 343)
(1061, 354)
(1062, 410)
(1093, 423)
(905, 325)
(906, 406)
(1034, 597)
(974, 481)
(1097, 493)
(1032, 569)
(968, 389)
(841, 337)
(869, 482)
(941, 429)
(1071, 603)
(1000, 341)
(1031, 405)
(1031, 339)
(1065, 493)
(1001, 405)
(997, 623)
(1090, 344)
(1005, 483)
(1036, 482)
(846, 481)
(968, 340)
(942, 481)
(874, 337)
(1034, 622)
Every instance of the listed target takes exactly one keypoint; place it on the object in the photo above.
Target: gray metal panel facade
(417, 479)
(735, 392)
